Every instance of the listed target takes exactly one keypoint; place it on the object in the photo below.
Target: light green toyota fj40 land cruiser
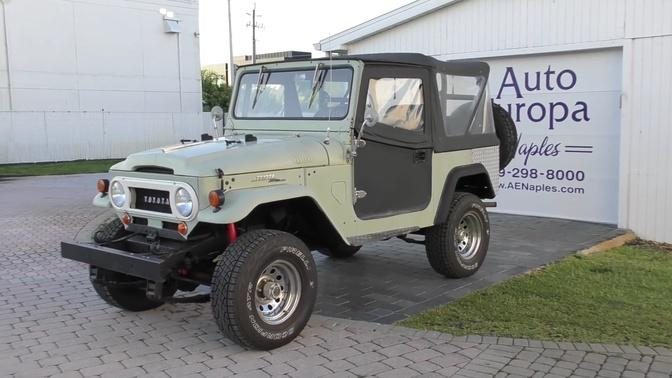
(321, 155)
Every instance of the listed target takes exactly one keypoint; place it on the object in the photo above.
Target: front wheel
(264, 289)
(457, 247)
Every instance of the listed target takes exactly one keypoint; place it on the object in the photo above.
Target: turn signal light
(216, 198)
(103, 186)
(126, 219)
(182, 229)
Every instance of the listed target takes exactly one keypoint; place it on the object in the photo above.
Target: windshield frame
(307, 68)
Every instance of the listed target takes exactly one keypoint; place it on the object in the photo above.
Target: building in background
(588, 83)
(97, 79)
(243, 60)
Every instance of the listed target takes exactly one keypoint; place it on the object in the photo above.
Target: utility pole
(231, 70)
(254, 26)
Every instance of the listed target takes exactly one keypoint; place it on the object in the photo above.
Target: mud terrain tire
(507, 134)
(264, 289)
(457, 247)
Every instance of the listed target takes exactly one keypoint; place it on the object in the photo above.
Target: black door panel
(396, 179)
(395, 166)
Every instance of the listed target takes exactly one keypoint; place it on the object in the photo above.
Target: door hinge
(359, 194)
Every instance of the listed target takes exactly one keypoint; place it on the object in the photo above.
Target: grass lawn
(623, 296)
(59, 168)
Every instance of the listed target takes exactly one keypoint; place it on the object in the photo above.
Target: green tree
(215, 90)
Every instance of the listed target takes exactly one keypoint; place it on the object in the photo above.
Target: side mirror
(370, 115)
(217, 114)
(370, 119)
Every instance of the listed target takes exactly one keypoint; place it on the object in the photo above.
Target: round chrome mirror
(370, 115)
(217, 113)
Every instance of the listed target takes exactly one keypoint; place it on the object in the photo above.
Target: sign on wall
(566, 109)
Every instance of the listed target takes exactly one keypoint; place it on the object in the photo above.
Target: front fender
(101, 200)
(239, 203)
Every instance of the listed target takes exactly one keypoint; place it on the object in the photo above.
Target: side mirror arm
(358, 142)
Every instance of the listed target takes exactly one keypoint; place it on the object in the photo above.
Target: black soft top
(461, 67)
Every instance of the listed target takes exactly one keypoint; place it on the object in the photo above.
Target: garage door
(567, 109)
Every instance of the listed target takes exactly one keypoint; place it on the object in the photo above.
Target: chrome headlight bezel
(118, 194)
(183, 201)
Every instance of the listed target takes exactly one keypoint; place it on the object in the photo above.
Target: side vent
(155, 169)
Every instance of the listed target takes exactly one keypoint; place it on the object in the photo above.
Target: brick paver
(53, 324)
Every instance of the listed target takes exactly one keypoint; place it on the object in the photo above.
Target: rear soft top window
(459, 96)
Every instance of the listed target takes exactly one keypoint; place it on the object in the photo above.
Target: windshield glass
(317, 92)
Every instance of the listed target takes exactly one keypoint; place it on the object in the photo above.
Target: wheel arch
(472, 179)
(243, 204)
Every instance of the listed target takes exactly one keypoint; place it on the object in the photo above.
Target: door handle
(419, 157)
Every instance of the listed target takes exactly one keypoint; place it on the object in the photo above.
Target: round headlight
(118, 194)
(183, 202)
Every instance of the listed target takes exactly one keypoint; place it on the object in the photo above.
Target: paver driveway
(52, 323)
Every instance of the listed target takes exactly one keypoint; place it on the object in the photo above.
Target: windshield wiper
(260, 84)
(318, 80)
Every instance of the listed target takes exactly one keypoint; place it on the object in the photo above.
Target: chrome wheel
(468, 235)
(278, 292)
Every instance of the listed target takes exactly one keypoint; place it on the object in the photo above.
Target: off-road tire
(110, 230)
(130, 298)
(441, 244)
(234, 291)
(341, 251)
(507, 134)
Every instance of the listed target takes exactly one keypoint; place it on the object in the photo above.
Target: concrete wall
(95, 78)
(487, 29)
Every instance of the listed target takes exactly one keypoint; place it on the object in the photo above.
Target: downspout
(9, 71)
(179, 70)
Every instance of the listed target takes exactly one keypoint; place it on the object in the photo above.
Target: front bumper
(142, 265)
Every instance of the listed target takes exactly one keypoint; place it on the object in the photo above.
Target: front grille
(152, 200)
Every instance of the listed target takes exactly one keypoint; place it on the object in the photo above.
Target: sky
(287, 24)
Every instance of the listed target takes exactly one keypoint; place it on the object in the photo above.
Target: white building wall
(96, 78)
(646, 156)
(492, 28)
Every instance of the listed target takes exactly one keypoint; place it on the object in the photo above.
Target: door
(393, 169)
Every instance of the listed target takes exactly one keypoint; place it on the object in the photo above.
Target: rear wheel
(457, 247)
(264, 289)
(123, 291)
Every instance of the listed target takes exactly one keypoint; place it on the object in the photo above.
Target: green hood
(204, 158)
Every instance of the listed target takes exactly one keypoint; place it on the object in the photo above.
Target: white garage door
(567, 109)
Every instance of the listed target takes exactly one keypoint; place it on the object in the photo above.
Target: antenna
(253, 23)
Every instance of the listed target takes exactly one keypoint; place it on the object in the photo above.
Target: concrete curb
(606, 245)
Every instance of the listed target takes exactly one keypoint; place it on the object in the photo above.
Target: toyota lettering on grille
(153, 200)
(156, 200)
